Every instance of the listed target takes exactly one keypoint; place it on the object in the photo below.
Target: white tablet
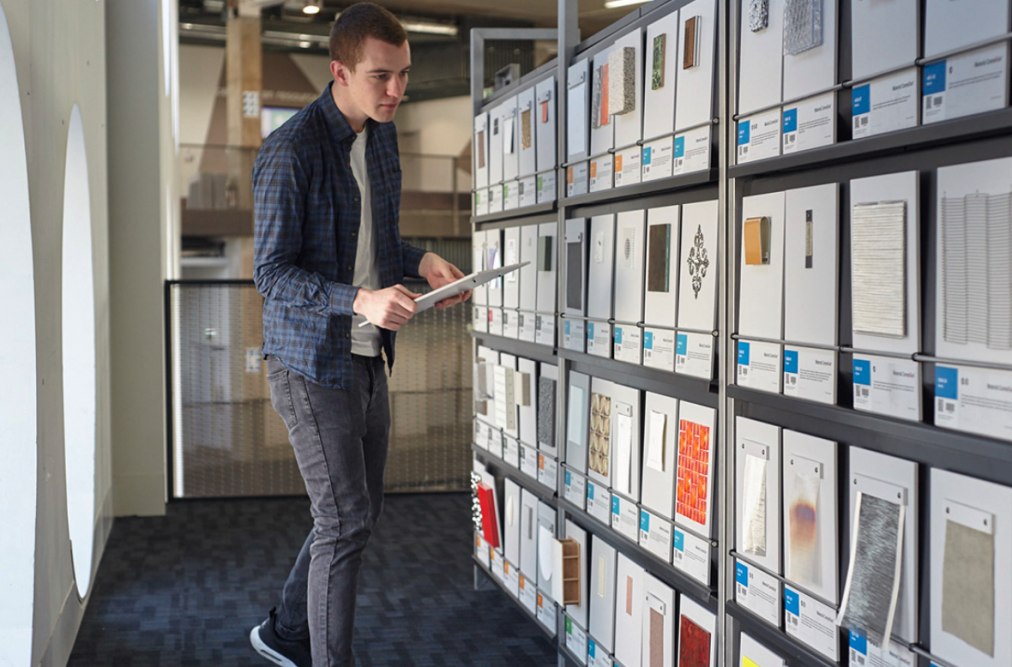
(466, 283)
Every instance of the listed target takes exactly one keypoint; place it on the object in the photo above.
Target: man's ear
(340, 72)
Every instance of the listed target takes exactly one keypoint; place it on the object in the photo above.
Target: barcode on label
(794, 620)
(791, 138)
(950, 407)
(743, 150)
(743, 370)
(678, 162)
(681, 361)
(794, 379)
(937, 100)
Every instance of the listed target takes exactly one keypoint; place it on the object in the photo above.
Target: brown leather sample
(756, 240)
(690, 42)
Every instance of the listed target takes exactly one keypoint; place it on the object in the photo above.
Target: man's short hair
(358, 22)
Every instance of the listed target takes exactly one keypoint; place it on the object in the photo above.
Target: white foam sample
(659, 76)
(526, 136)
(529, 273)
(578, 110)
(602, 266)
(628, 123)
(698, 266)
(602, 593)
(495, 143)
(626, 421)
(660, 306)
(901, 187)
(811, 283)
(814, 71)
(481, 155)
(694, 96)
(511, 255)
(660, 448)
(883, 36)
(602, 137)
(578, 612)
(511, 140)
(760, 302)
(529, 413)
(629, 599)
(545, 122)
(630, 250)
(952, 24)
(546, 278)
(762, 441)
(761, 61)
(575, 267)
(754, 653)
(577, 421)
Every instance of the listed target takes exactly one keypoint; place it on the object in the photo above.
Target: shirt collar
(343, 130)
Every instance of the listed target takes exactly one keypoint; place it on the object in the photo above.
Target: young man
(328, 255)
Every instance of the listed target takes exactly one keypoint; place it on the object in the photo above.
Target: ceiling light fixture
(615, 4)
(429, 27)
(312, 7)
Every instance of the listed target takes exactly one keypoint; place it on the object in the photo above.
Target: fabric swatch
(968, 586)
(690, 42)
(546, 411)
(574, 275)
(693, 645)
(659, 258)
(754, 506)
(698, 262)
(481, 149)
(809, 239)
(804, 566)
(595, 98)
(879, 276)
(802, 26)
(525, 129)
(545, 253)
(655, 643)
(621, 80)
(693, 470)
(628, 595)
(657, 62)
(600, 433)
(873, 582)
(758, 15)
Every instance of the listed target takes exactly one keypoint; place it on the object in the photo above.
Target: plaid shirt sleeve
(279, 178)
(412, 258)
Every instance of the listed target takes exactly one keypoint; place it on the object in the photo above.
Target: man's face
(377, 84)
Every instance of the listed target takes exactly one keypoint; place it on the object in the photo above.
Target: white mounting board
(529, 273)
(698, 310)
(630, 249)
(528, 156)
(659, 485)
(883, 35)
(544, 95)
(811, 295)
(576, 239)
(754, 438)
(813, 71)
(659, 105)
(481, 137)
(694, 86)
(511, 255)
(659, 308)
(529, 413)
(510, 161)
(546, 279)
(602, 139)
(577, 417)
(629, 126)
(578, 110)
(761, 299)
(629, 601)
(602, 266)
(602, 593)
(761, 60)
(951, 24)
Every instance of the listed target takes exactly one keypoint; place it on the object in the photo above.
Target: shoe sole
(266, 651)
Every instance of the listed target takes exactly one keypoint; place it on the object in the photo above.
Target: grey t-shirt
(366, 341)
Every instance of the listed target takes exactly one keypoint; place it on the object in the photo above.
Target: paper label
(525, 324)
(597, 656)
(810, 124)
(528, 191)
(545, 330)
(599, 339)
(546, 613)
(510, 324)
(694, 355)
(575, 490)
(598, 502)
(481, 202)
(657, 159)
(511, 452)
(512, 579)
(655, 535)
(495, 446)
(811, 622)
(965, 84)
(480, 438)
(976, 400)
(758, 592)
(759, 137)
(864, 652)
(528, 594)
(495, 321)
(497, 564)
(885, 105)
(481, 549)
(601, 173)
(548, 471)
(511, 195)
(887, 386)
(481, 318)
(576, 640)
(759, 366)
(691, 555)
(573, 335)
(529, 461)
(627, 167)
(810, 374)
(659, 349)
(495, 199)
(625, 517)
(546, 187)
(628, 343)
(692, 151)
(577, 179)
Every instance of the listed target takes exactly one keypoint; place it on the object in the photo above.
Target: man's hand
(388, 308)
(439, 272)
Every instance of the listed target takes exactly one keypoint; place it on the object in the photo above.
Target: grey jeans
(340, 439)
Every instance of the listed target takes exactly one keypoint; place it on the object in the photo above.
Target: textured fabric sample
(690, 42)
(574, 275)
(481, 149)
(545, 253)
(753, 529)
(804, 565)
(525, 129)
(659, 258)
(879, 276)
(873, 582)
(546, 411)
(758, 15)
(657, 62)
(628, 595)
(600, 433)
(621, 80)
(655, 628)
(693, 645)
(968, 586)
(693, 470)
(756, 238)
(698, 262)
(595, 98)
(809, 239)
(802, 26)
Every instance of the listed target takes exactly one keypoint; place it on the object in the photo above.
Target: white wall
(434, 127)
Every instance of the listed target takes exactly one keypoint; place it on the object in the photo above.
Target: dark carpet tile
(184, 590)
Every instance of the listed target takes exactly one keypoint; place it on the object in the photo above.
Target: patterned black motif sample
(546, 412)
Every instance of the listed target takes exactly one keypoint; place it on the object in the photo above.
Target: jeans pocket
(281, 397)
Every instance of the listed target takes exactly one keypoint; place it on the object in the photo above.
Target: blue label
(647, 155)
(591, 648)
(567, 327)
(743, 133)
(615, 509)
(682, 344)
(946, 382)
(790, 121)
(743, 353)
(644, 522)
(862, 99)
(679, 147)
(858, 642)
(648, 340)
(862, 372)
(679, 541)
(934, 78)
(618, 335)
(590, 491)
(741, 574)
(569, 478)
(792, 605)
(590, 331)
(790, 361)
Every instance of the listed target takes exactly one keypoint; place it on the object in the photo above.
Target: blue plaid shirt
(307, 214)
